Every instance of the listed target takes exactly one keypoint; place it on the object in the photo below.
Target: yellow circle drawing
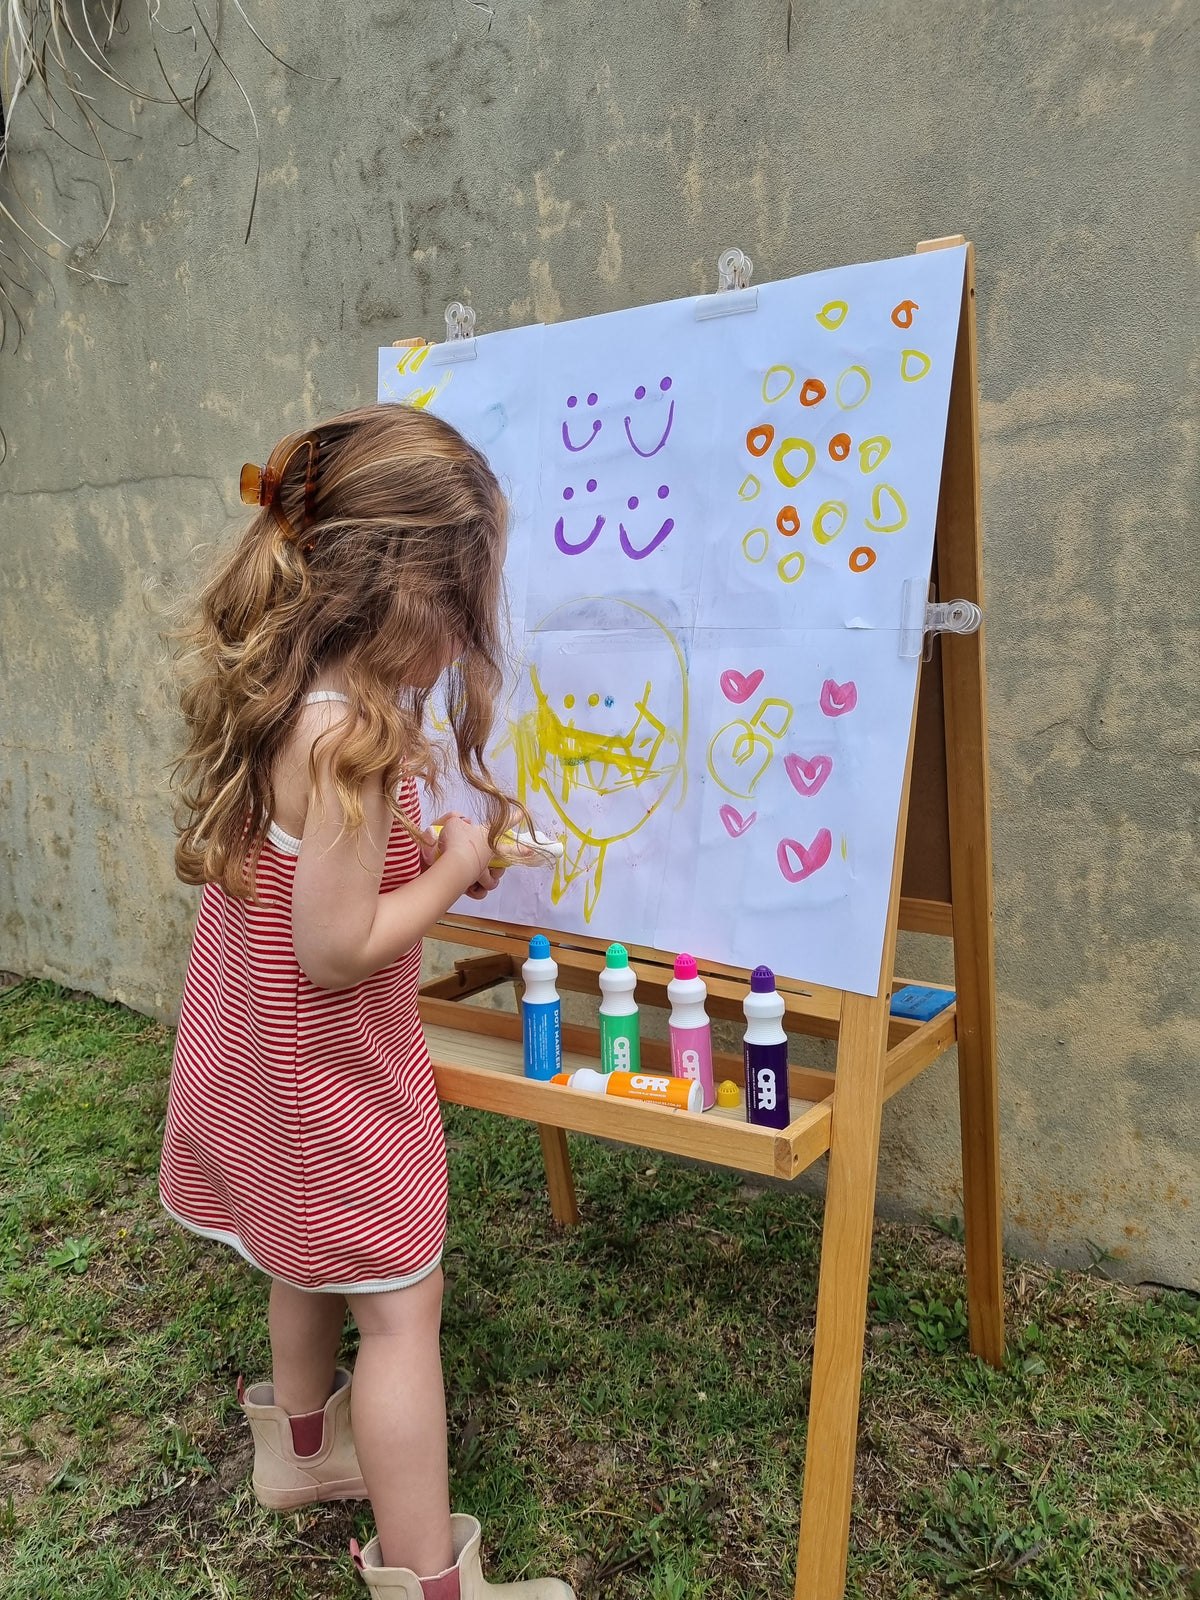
(855, 391)
(872, 451)
(756, 551)
(879, 509)
(788, 478)
(907, 360)
(791, 566)
(833, 314)
(569, 701)
(593, 699)
(750, 487)
(823, 533)
(777, 372)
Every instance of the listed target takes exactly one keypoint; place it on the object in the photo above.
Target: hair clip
(260, 486)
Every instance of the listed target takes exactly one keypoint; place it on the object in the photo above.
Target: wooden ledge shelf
(478, 1061)
(487, 1071)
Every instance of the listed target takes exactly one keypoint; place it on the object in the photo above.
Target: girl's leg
(399, 1412)
(306, 1330)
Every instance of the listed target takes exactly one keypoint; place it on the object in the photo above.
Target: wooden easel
(941, 884)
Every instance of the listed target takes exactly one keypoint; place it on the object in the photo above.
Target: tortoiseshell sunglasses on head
(260, 486)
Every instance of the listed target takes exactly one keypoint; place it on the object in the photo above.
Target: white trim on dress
(376, 1286)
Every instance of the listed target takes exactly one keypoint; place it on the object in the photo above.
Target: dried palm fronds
(57, 56)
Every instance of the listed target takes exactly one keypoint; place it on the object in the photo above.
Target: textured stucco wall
(563, 159)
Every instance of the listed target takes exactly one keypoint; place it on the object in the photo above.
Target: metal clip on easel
(459, 343)
(921, 618)
(460, 321)
(733, 287)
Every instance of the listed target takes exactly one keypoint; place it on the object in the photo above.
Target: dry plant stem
(54, 50)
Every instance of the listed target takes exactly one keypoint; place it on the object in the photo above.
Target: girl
(303, 1126)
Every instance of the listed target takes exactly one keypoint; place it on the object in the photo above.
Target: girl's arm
(343, 929)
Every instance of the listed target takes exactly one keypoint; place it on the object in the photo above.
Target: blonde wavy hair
(397, 564)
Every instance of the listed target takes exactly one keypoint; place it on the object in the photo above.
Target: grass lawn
(627, 1399)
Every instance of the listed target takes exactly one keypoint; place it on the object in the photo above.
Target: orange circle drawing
(788, 521)
(862, 558)
(812, 393)
(758, 440)
(902, 316)
(839, 446)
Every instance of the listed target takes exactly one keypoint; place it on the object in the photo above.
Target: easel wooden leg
(559, 1179)
(979, 1112)
(842, 1300)
(964, 690)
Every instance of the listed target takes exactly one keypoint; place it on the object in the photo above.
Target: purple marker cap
(762, 981)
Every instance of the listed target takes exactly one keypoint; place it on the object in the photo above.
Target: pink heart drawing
(737, 688)
(735, 823)
(838, 698)
(812, 858)
(808, 777)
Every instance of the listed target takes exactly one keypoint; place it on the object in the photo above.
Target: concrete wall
(563, 159)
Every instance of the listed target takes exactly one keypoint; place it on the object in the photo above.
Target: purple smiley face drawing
(572, 405)
(640, 552)
(577, 547)
(640, 394)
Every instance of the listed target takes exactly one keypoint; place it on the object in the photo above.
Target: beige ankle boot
(284, 1480)
(398, 1583)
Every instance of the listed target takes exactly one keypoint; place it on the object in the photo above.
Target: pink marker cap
(685, 966)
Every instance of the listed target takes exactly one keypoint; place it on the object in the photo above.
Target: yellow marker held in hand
(541, 850)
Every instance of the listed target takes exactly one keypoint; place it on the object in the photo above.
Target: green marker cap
(617, 956)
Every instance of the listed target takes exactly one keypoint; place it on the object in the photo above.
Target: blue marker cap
(539, 947)
(762, 981)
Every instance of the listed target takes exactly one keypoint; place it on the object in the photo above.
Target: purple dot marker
(591, 399)
(567, 493)
(572, 400)
(665, 385)
(640, 392)
(663, 491)
(591, 486)
(633, 500)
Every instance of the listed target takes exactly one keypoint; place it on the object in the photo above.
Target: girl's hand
(466, 843)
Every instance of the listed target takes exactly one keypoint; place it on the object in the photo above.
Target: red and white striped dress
(303, 1125)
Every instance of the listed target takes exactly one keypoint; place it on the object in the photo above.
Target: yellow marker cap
(728, 1093)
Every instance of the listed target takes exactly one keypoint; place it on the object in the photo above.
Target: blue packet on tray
(919, 1004)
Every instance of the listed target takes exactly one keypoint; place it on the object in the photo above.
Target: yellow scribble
(733, 748)
(914, 364)
(783, 472)
(872, 451)
(862, 379)
(759, 546)
(784, 372)
(823, 533)
(413, 358)
(878, 510)
(633, 771)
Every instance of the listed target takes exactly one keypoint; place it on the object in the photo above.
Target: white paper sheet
(715, 720)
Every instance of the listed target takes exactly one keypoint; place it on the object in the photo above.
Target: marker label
(541, 1027)
(620, 1045)
(691, 1057)
(767, 1085)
